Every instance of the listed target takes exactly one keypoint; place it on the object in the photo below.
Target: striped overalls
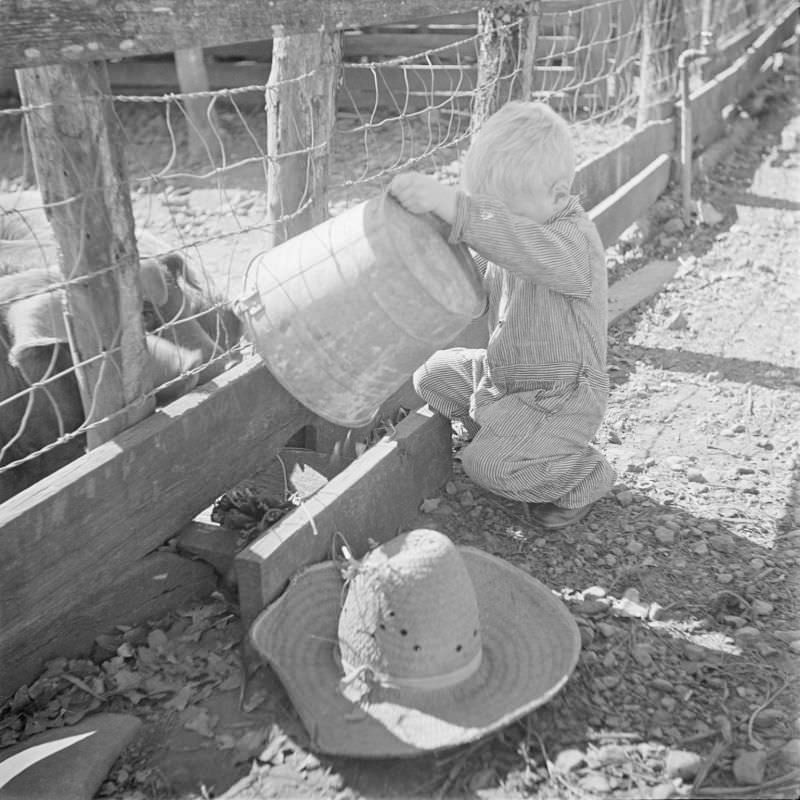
(535, 397)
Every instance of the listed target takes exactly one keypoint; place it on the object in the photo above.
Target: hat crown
(411, 615)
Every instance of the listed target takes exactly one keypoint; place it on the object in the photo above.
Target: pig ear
(153, 280)
(175, 265)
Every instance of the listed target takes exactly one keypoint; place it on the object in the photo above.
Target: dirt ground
(683, 581)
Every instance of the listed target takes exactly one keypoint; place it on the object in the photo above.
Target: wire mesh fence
(196, 167)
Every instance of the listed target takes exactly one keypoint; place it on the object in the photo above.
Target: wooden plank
(605, 173)
(628, 292)
(83, 528)
(77, 146)
(147, 589)
(614, 214)
(733, 84)
(41, 32)
(373, 499)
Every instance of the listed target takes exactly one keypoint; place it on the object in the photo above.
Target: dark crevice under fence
(75, 534)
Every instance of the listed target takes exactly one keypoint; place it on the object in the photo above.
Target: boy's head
(522, 155)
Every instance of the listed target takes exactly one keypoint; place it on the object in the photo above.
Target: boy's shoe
(553, 517)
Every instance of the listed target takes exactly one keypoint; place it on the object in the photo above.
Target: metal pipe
(684, 59)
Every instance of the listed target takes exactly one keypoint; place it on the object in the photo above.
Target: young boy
(535, 397)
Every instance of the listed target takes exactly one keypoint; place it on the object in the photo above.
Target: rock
(707, 214)
(722, 542)
(761, 608)
(768, 718)
(662, 685)
(700, 549)
(675, 463)
(748, 633)
(635, 548)
(795, 647)
(725, 577)
(787, 636)
(748, 768)
(682, 764)
(694, 652)
(695, 476)
(663, 791)
(570, 759)
(608, 630)
(73, 760)
(642, 655)
(595, 782)
(625, 498)
(790, 752)
(665, 535)
(677, 322)
(591, 608)
(632, 594)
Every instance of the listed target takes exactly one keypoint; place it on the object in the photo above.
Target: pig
(188, 333)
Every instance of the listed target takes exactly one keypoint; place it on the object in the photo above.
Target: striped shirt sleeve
(553, 254)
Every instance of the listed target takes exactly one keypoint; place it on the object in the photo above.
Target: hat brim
(530, 641)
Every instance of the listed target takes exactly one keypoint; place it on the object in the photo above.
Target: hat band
(428, 683)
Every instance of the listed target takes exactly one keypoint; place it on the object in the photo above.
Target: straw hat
(421, 646)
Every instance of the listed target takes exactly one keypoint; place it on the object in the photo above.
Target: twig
(719, 748)
(82, 685)
(787, 781)
(750, 737)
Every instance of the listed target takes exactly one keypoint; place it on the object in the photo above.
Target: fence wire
(198, 165)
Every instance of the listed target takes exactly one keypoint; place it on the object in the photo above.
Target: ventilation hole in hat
(459, 648)
(403, 632)
(381, 626)
(390, 614)
(417, 647)
(475, 632)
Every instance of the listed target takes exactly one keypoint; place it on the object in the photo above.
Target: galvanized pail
(343, 313)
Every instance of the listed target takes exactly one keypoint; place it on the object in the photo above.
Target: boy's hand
(420, 194)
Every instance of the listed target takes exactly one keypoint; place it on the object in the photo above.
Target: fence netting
(197, 165)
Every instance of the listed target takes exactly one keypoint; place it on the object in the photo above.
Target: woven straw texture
(530, 646)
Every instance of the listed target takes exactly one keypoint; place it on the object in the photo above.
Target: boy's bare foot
(553, 517)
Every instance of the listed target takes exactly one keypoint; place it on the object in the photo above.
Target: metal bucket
(343, 313)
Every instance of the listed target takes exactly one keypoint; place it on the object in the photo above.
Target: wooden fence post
(79, 163)
(193, 77)
(301, 115)
(492, 56)
(528, 35)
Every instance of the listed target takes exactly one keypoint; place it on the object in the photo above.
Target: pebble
(768, 718)
(787, 636)
(725, 577)
(665, 535)
(682, 764)
(591, 608)
(723, 542)
(661, 684)
(695, 476)
(675, 463)
(694, 652)
(570, 759)
(642, 655)
(625, 498)
(595, 782)
(635, 548)
(608, 630)
(761, 608)
(700, 549)
(748, 633)
(748, 767)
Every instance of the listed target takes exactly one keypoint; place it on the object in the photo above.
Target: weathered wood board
(51, 31)
(146, 589)
(81, 530)
(630, 201)
(611, 169)
(628, 292)
(372, 499)
(733, 84)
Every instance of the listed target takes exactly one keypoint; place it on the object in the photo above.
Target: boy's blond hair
(520, 145)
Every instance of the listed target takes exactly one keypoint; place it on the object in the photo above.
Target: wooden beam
(78, 155)
(85, 526)
(734, 83)
(614, 214)
(374, 498)
(605, 173)
(41, 32)
(146, 589)
(628, 292)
